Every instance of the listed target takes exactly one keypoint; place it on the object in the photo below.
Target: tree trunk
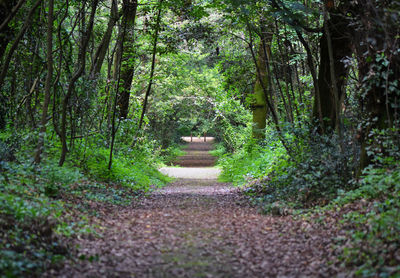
(265, 44)
(71, 86)
(153, 63)
(48, 84)
(4, 39)
(16, 42)
(127, 66)
(101, 51)
(6, 10)
(332, 74)
(376, 44)
(259, 103)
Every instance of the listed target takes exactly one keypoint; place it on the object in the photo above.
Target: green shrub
(312, 173)
(130, 170)
(253, 161)
(27, 227)
(374, 232)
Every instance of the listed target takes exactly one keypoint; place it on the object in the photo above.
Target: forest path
(197, 163)
(200, 228)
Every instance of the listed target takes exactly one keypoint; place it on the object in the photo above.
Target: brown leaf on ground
(200, 228)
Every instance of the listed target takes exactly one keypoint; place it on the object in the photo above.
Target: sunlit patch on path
(192, 173)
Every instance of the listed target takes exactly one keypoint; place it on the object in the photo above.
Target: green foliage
(134, 169)
(372, 248)
(219, 150)
(171, 153)
(38, 202)
(203, 82)
(312, 173)
(190, 98)
(384, 146)
(28, 221)
(253, 161)
(101, 192)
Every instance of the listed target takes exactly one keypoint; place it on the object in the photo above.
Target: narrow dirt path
(197, 163)
(197, 153)
(201, 228)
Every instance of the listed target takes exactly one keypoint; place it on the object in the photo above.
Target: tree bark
(128, 55)
(14, 46)
(259, 103)
(48, 84)
(376, 44)
(101, 51)
(270, 106)
(335, 45)
(313, 70)
(11, 13)
(6, 9)
(81, 62)
(4, 39)
(153, 64)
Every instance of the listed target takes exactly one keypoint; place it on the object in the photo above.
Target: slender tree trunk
(59, 71)
(10, 16)
(101, 51)
(117, 77)
(265, 90)
(153, 63)
(281, 91)
(6, 9)
(286, 71)
(49, 77)
(14, 46)
(264, 87)
(310, 62)
(4, 39)
(71, 86)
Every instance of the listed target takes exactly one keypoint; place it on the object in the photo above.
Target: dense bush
(311, 173)
(252, 161)
(132, 169)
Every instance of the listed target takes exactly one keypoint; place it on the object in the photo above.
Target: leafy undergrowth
(371, 221)
(367, 216)
(43, 207)
(311, 174)
(251, 162)
(172, 153)
(27, 230)
(219, 150)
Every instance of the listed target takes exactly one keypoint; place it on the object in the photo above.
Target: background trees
(332, 66)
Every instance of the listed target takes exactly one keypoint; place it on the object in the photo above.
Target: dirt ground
(200, 228)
